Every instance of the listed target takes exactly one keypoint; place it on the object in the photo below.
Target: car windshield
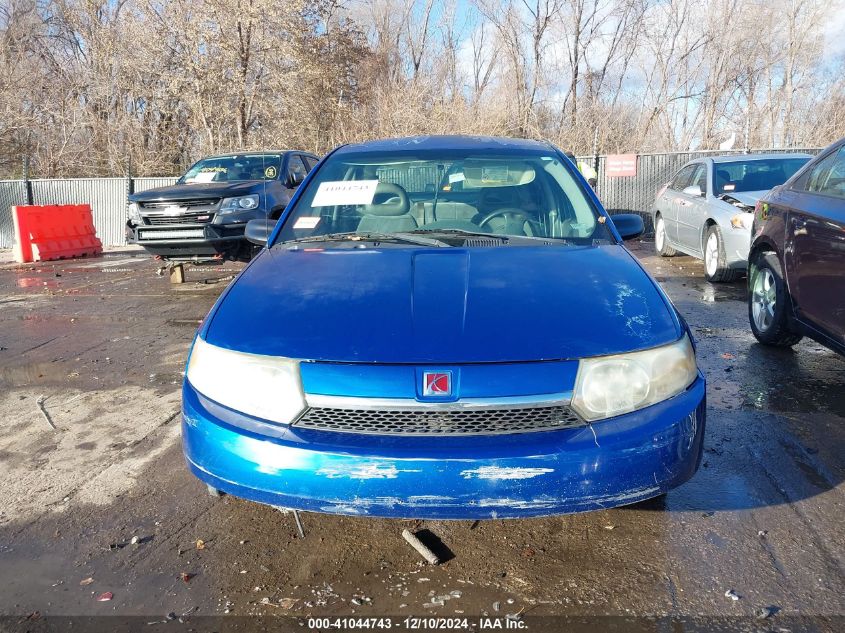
(234, 168)
(754, 175)
(519, 194)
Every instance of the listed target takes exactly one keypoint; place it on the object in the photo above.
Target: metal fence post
(27, 185)
(130, 185)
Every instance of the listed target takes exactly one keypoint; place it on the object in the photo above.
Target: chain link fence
(107, 196)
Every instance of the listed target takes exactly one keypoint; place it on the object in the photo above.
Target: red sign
(619, 165)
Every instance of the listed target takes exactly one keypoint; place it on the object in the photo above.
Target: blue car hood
(443, 305)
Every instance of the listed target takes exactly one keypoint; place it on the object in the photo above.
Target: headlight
(266, 387)
(244, 203)
(742, 220)
(134, 213)
(611, 385)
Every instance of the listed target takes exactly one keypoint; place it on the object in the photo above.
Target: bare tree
(87, 84)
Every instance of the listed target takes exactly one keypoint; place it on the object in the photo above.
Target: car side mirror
(259, 231)
(694, 191)
(629, 225)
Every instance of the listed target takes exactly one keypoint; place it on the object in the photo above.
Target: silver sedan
(707, 209)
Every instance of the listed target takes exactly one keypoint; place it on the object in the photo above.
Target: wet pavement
(101, 345)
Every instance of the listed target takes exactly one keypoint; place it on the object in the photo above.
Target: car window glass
(699, 178)
(828, 177)
(234, 168)
(311, 162)
(754, 174)
(296, 168)
(682, 178)
(531, 194)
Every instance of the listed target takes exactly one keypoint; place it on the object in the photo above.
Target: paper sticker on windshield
(204, 176)
(456, 177)
(306, 222)
(730, 187)
(338, 192)
(270, 172)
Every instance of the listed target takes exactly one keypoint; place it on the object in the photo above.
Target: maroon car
(796, 277)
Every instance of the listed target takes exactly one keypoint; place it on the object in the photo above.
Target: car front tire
(716, 269)
(661, 244)
(768, 302)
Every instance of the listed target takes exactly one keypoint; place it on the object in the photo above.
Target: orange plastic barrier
(54, 231)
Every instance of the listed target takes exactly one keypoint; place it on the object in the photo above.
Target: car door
(814, 250)
(692, 210)
(668, 201)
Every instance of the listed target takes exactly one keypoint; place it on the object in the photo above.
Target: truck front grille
(184, 218)
(205, 203)
(414, 421)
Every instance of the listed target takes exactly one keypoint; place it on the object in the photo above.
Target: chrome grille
(185, 204)
(184, 218)
(440, 421)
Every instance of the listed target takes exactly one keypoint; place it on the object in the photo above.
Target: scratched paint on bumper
(615, 462)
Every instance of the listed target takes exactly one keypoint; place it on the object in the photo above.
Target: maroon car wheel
(768, 302)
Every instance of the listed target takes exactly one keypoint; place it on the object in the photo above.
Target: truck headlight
(266, 387)
(244, 203)
(612, 385)
(134, 213)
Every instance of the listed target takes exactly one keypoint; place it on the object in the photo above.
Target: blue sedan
(444, 327)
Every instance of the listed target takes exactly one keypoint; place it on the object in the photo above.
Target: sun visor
(497, 173)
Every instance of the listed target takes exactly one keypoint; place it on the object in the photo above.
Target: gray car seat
(389, 211)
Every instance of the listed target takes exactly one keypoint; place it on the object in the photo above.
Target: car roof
(455, 142)
(732, 158)
(267, 152)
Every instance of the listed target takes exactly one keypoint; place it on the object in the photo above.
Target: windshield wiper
(494, 236)
(460, 233)
(370, 236)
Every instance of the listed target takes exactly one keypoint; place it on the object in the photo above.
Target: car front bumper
(610, 463)
(187, 239)
(737, 245)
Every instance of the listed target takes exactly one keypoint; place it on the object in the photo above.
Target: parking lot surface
(103, 502)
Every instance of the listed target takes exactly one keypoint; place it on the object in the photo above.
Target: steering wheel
(511, 215)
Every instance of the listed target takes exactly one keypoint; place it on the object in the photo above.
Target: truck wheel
(661, 244)
(246, 252)
(768, 302)
(716, 269)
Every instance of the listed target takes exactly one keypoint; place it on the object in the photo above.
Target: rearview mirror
(629, 225)
(258, 231)
(694, 191)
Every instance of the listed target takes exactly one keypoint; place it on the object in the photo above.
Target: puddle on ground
(809, 396)
(713, 293)
(35, 282)
(33, 374)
